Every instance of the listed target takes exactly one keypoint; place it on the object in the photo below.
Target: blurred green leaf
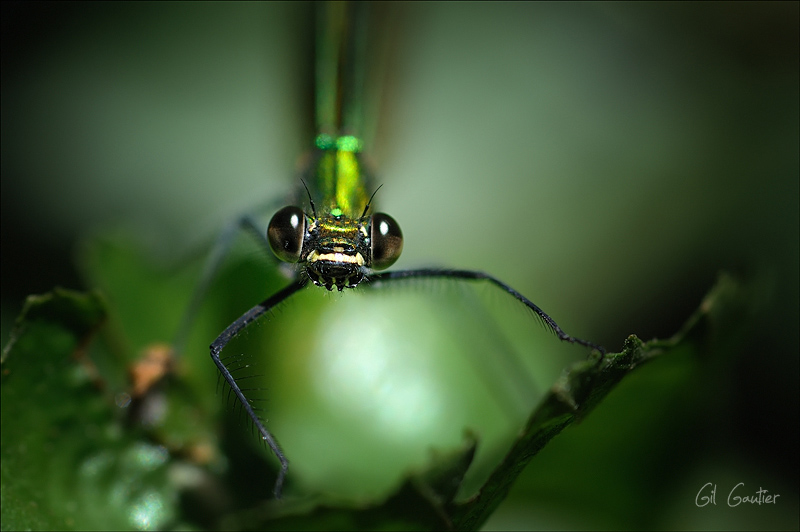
(71, 460)
(427, 500)
(67, 461)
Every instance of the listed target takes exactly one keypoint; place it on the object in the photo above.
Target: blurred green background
(607, 160)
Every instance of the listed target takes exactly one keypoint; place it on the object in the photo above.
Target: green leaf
(72, 459)
(67, 460)
(430, 496)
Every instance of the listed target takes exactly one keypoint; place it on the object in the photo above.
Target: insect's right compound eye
(285, 233)
(387, 241)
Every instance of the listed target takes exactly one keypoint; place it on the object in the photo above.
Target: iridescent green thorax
(340, 177)
(336, 241)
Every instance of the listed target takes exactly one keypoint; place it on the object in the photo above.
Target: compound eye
(285, 233)
(387, 241)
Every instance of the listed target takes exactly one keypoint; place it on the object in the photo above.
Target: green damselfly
(339, 241)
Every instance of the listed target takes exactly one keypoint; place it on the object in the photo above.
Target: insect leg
(219, 344)
(469, 275)
(212, 265)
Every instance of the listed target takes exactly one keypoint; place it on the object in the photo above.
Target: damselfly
(339, 242)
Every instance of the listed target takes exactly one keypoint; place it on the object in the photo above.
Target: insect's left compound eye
(285, 233)
(387, 241)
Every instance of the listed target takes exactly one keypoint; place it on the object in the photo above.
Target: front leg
(219, 344)
(470, 275)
